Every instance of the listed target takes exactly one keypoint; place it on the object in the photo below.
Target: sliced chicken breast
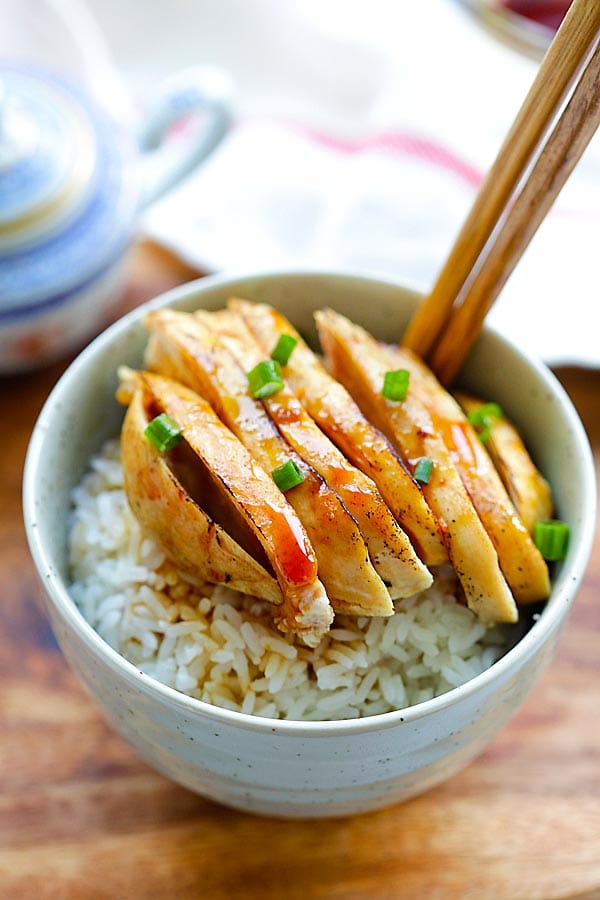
(389, 548)
(520, 560)
(526, 486)
(360, 363)
(197, 356)
(176, 516)
(336, 413)
(236, 477)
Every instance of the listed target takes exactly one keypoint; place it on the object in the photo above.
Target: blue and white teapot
(72, 185)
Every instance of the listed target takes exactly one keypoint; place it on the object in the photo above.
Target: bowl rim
(58, 595)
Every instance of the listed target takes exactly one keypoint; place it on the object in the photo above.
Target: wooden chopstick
(557, 160)
(555, 77)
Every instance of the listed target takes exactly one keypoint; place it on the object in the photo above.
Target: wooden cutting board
(82, 817)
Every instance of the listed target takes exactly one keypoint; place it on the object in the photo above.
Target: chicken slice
(238, 479)
(185, 347)
(526, 486)
(520, 560)
(156, 488)
(335, 411)
(360, 363)
(390, 550)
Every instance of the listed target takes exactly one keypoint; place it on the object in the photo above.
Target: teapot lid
(47, 154)
(65, 205)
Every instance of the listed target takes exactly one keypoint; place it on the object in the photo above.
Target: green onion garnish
(283, 349)
(423, 470)
(287, 475)
(483, 419)
(552, 539)
(163, 432)
(395, 384)
(265, 379)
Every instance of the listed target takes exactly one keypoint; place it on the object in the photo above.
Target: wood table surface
(81, 816)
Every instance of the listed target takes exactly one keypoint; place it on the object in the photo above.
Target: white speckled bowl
(295, 768)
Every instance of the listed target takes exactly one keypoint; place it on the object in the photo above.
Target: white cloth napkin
(362, 133)
(360, 144)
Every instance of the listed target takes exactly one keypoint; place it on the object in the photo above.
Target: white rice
(220, 646)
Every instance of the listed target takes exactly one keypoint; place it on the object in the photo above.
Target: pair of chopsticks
(518, 191)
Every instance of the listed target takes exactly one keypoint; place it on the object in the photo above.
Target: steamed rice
(222, 647)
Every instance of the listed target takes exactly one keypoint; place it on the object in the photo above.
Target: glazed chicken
(303, 607)
(390, 550)
(359, 526)
(520, 560)
(334, 410)
(154, 483)
(198, 357)
(526, 487)
(360, 363)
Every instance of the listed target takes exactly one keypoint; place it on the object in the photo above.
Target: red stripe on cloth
(399, 142)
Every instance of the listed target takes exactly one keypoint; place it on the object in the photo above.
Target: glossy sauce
(219, 454)
(296, 555)
(459, 436)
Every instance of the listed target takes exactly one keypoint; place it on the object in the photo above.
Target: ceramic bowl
(281, 767)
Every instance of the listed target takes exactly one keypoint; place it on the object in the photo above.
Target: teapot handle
(201, 92)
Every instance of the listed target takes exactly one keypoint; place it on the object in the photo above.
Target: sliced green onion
(283, 349)
(287, 475)
(486, 411)
(552, 539)
(395, 384)
(265, 379)
(423, 470)
(483, 419)
(163, 432)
